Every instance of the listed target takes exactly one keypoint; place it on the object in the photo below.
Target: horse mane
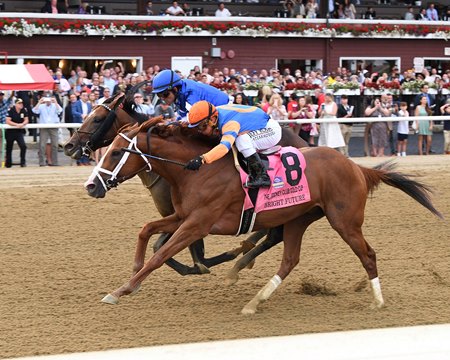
(174, 129)
(127, 102)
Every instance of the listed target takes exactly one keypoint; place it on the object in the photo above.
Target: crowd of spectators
(308, 9)
(284, 94)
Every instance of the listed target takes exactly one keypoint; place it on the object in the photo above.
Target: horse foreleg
(251, 242)
(274, 237)
(180, 268)
(181, 238)
(198, 251)
(171, 222)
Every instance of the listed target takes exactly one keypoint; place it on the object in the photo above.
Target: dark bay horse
(210, 201)
(100, 128)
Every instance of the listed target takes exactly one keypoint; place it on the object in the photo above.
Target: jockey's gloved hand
(194, 164)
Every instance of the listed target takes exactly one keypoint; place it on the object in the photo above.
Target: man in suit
(345, 111)
(80, 110)
(424, 92)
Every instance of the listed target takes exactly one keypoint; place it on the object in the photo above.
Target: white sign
(186, 63)
(447, 51)
(419, 63)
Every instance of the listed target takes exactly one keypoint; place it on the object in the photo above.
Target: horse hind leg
(274, 237)
(292, 239)
(351, 233)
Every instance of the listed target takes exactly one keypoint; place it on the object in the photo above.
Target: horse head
(102, 124)
(125, 157)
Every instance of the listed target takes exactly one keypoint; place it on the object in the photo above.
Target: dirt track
(62, 251)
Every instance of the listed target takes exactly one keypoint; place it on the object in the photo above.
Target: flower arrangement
(256, 85)
(39, 26)
(416, 85)
(343, 86)
(225, 86)
(391, 85)
(301, 86)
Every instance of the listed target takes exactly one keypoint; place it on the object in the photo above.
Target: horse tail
(385, 173)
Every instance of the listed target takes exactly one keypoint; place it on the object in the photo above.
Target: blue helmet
(165, 80)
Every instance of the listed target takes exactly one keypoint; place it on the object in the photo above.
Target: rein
(114, 181)
(132, 148)
(153, 157)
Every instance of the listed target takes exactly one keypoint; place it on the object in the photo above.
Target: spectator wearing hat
(165, 110)
(48, 110)
(18, 118)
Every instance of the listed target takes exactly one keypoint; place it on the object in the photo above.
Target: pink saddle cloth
(289, 184)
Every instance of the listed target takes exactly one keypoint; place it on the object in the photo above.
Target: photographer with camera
(48, 110)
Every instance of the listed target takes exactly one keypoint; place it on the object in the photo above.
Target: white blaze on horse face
(113, 173)
(95, 171)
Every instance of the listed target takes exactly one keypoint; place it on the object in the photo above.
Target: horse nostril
(90, 187)
(68, 146)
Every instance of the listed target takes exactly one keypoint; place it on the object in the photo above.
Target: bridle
(114, 181)
(90, 145)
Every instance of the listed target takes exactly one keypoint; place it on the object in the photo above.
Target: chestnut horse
(100, 128)
(208, 203)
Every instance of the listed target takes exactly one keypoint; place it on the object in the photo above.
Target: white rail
(302, 121)
(409, 343)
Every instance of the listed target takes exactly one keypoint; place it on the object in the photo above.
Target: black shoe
(258, 175)
(23, 165)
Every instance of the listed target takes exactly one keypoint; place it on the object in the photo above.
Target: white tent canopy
(25, 77)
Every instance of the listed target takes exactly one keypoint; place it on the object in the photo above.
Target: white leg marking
(262, 295)
(376, 288)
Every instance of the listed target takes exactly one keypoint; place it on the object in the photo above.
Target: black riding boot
(258, 173)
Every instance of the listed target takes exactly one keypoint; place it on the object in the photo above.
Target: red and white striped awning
(25, 77)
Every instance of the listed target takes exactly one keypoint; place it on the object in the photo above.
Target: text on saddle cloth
(289, 184)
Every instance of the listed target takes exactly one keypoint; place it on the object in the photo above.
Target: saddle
(285, 167)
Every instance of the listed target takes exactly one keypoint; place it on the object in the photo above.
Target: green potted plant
(348, 88)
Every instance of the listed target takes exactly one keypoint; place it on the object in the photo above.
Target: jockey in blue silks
(171, 88)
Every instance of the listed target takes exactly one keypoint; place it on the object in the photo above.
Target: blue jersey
(249, 118)
(192, 92)
(234, 120)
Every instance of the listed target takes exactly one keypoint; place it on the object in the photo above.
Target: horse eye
(116, 153)
(97, 120)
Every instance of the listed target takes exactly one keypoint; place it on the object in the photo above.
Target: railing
(4, 127)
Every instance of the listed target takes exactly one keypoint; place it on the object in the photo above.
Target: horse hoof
(231, 279)
(110, 299)
(377, 305)
(248, 311)
(202, 269)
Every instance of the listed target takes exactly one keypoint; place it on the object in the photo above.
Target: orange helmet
(201, 111)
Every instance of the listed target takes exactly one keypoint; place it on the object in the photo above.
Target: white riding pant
(262, 139)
